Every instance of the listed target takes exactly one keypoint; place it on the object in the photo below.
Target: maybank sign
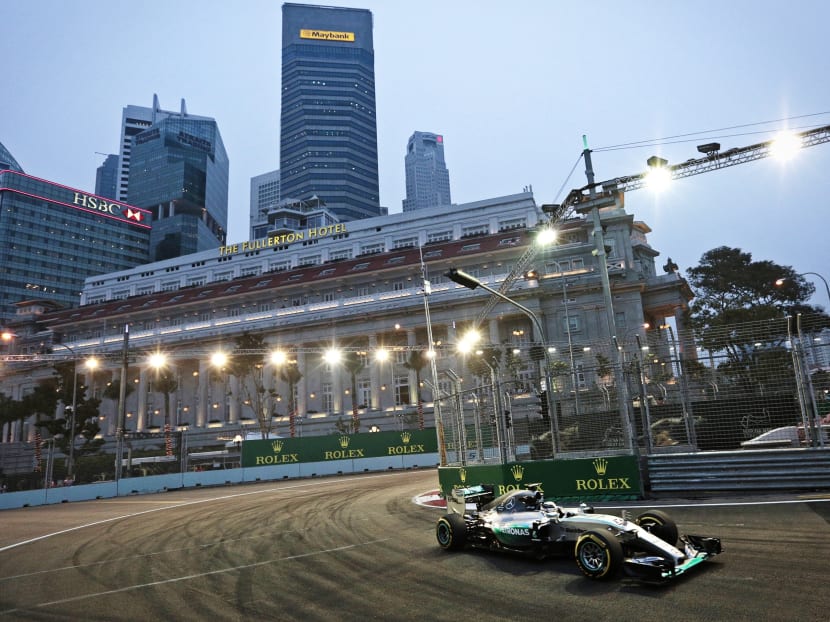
(326, 35)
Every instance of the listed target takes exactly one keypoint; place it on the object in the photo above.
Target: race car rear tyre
(659, 524)
(599, 555)
(451, 532)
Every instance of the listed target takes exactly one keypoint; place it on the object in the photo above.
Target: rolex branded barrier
(264, 460)
(582, 479)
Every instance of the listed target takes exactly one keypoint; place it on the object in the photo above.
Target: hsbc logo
(118, 210)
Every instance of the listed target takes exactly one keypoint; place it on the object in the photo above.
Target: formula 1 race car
(522, 521)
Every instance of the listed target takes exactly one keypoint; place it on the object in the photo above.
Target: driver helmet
(527, 500)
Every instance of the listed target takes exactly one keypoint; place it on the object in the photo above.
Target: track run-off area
(360, 547)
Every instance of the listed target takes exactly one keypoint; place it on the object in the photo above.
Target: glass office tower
(53, 237)
(328, 129)
(179, 172)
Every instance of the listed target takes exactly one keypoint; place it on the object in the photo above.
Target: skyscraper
(136, 119)
(427, 177)
(328, 129)
(106, 178)
(178, 170)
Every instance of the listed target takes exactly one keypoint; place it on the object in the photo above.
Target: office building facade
(265, 196)
(328, 126)
(427, 177)
(53, 237)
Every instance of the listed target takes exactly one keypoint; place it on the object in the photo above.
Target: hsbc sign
(110, 208)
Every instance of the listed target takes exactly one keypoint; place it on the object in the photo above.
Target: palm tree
(290, 373)
(353, 363)
(416, 362)
(166, 383)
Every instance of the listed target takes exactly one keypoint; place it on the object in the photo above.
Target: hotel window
(170, 286)
(473, 230)
(326, 400)
(439, 236)
(338, 255)
(401, 390)
(372, 249)
(279, 266)
(405, 243)
(571, 323)
(250, 271)
(580, 375)
(310, 260)
(513, 223)
(364, 393)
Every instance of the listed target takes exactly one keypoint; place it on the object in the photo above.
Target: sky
(512, 86)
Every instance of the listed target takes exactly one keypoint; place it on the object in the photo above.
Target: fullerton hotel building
(361, 286)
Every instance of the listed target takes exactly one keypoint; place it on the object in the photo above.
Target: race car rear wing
(477, 495)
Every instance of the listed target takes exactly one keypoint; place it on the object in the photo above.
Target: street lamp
(780, 282)
(462, 278)
(7, 337)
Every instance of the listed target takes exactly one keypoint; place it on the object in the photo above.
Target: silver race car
(647, 547)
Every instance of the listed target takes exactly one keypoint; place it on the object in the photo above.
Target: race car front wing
(649, 567)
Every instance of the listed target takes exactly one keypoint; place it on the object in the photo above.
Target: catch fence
(740, 387)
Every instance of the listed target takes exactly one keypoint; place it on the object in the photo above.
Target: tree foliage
(166, 382)
(353, 364)
(741, 308)
(730, 288)
(290, 373)
(416, 362)
(247, 364)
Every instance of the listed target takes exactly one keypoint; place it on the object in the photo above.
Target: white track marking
(189, 577)
(187, 503)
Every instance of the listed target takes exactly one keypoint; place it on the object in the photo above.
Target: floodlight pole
(122, 407)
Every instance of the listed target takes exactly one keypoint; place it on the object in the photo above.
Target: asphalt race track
(358, 548)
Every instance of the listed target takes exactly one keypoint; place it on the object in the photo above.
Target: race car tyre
(451, 532)
(659, 524)
(599, 555)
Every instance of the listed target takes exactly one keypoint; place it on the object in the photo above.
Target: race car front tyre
(451, 532)
(659, 524)
(599, 555)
